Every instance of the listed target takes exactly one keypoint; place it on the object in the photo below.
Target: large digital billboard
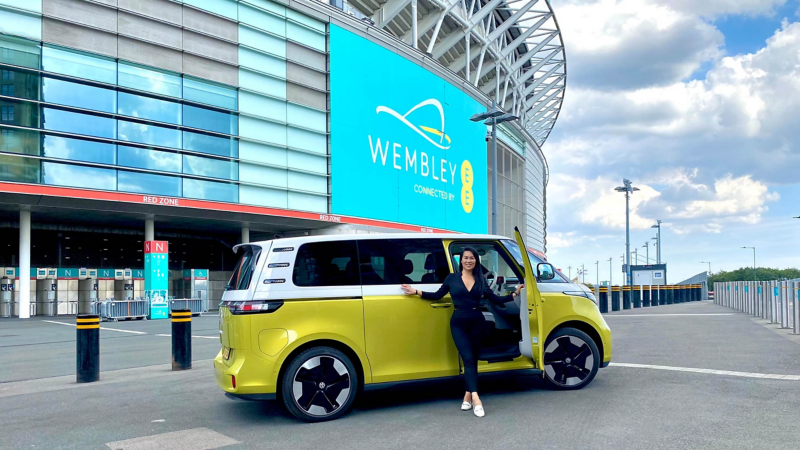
(402, 146)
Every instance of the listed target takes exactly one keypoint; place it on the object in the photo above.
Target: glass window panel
(209, 93)
(19, 52)
(307, 118)
(148, 183)
(145, 158)
(260, 83)
(262, 153)
(21, 24)
(149, 134)
(307, 140)
(307, 182)
(19, 83)
(226, 8)
(263, 41)
(212, 168)
(307, 202)
(79, 150)
(22, 114)
(263, 175)
(208, 119)
(262, 62)
(263, 106)
(251, 195)
(305, 20)
(19, 169)
(149, 108)
(25, 142)
(79, 176)
(262, 130)
(149, 80)
(303, 35)
(72, 122)
(326, 264)
(79, 65)
(213, 145)
(209, 190)
(262, 20)
(78, 95)
(30, 5)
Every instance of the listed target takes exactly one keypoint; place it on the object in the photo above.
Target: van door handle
(441, 305)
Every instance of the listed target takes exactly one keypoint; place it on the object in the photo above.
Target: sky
(697, 102)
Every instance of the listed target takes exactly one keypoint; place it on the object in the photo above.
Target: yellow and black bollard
(181, 339)
(88, 348)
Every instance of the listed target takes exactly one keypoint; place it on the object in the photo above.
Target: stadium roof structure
(511, 50)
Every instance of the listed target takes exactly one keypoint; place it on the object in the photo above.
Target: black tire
(319, 384)
(571, 359)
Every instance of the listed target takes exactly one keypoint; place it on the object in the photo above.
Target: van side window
(398, 261)
(326, 264)
(245, 267)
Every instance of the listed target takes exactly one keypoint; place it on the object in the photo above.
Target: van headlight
(588, 295)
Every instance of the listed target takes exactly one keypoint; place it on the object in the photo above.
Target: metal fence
(196, 305)
(775, 301)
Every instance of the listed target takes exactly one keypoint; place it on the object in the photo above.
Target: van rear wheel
(571, 359)
(319, 384)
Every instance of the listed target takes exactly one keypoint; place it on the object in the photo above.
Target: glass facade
(510, 191)
(91, 121)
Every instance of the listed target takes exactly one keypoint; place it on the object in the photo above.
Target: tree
(746, 274)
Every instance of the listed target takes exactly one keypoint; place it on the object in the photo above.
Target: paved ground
(655, 405)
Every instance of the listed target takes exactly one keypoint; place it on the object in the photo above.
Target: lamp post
(492, 117)
(597, 264)
(755, 274)
(628, 189)
(709, 266)
(647, 252)
(610, 271)
(658, 241)
(636, 256)
(570, 272)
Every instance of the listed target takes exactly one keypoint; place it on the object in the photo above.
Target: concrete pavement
(625, 407)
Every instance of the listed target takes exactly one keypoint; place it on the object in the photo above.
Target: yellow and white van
(313, 321)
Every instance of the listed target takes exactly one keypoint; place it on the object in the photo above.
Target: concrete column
(24, 264)
(149, 230)
(245, 235)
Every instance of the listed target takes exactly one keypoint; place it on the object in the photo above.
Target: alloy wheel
(321, 385)
(568, 360)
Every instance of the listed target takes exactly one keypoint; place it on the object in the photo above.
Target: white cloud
(615, 43)
(725, 7)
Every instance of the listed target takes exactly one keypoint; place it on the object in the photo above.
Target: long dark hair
(477, 272)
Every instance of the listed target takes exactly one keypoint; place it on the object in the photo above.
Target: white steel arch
(509, 49)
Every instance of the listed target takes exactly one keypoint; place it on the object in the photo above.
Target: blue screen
(402, 146)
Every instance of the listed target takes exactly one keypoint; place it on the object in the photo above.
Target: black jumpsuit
(467, 322)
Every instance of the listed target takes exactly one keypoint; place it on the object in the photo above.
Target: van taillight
(253, 307)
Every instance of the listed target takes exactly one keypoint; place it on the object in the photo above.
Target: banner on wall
(402, 146)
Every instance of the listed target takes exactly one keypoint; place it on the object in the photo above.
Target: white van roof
(355, 236)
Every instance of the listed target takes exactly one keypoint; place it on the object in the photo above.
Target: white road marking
(102, 328)
(666, 315)
(710, 371)
(199, 337)
(157, 421)
(195, 439)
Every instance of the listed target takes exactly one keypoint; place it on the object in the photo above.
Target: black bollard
(604, 299)
(615, 298)
(645, 296)
(181, 339)
(88, 348)
(626, 297)
(636, 294)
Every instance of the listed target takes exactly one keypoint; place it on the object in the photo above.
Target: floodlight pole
(494, 176)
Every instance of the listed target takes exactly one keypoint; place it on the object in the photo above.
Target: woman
(467, 287)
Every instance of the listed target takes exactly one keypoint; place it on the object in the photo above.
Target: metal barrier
(196, 305)
(777, 302)
(115, 310)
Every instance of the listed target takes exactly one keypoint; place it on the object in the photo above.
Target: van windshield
(514, 249)
(245, 266)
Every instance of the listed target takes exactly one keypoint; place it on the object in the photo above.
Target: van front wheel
(319, 384)
(571, 359)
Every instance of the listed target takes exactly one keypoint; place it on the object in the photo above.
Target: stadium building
(206, 123)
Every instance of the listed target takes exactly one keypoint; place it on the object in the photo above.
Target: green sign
(156, 281)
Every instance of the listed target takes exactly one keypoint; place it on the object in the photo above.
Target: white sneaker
(478, 410)
(466, 406)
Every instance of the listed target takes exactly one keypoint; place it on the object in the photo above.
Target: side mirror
(545, 271)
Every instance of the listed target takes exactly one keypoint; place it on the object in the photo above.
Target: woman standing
(467, 287)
